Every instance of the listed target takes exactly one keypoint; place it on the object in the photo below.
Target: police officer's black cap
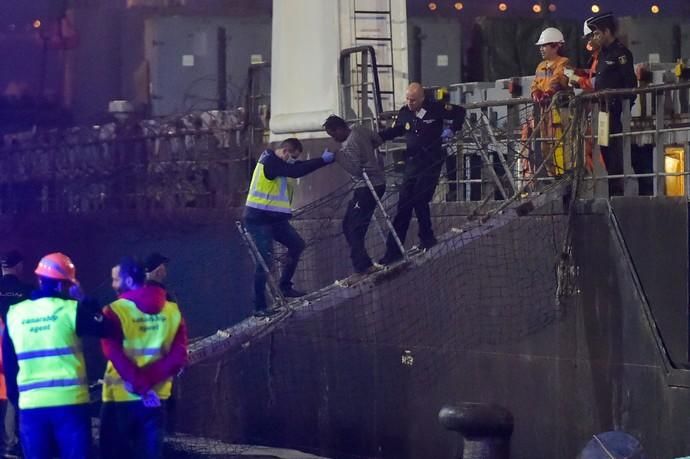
(598, 20)
(11, 259)
(155, 260)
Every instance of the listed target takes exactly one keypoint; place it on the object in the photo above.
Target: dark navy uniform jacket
(422, 130)
(615, 71)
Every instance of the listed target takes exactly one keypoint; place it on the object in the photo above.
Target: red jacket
(150, 299)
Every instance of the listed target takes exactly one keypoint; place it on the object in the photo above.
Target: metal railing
(654, 148)
(200, 160)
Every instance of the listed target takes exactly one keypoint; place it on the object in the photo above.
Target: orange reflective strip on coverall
(586, 83)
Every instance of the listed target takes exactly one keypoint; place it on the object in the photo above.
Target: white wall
(304, 68)
(308, 36)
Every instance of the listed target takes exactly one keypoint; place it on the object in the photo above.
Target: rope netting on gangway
(502, 269)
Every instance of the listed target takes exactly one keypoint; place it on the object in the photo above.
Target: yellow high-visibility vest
(51, 363)
(272, 195)
(147, 338)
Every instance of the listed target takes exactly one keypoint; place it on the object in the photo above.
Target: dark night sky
(20, 50)
(574, 9)
(24, 11)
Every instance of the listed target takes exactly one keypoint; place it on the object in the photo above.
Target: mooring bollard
(485, 428)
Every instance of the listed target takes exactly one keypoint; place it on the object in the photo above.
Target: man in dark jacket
(269, 208)
(12, 290)
(358, 155)
(421, 121)
(614, 70)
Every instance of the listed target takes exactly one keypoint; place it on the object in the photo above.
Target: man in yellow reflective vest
(269, 208)
(147, 349)
(44, 363)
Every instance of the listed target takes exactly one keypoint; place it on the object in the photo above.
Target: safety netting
(502, 270)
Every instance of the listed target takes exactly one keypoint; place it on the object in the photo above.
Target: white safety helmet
(550, 35)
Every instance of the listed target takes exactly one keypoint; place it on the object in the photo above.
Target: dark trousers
(613, 154)
(416, 192)
(264, 235)
(68, 427)
(360, 209)
(10, 440)
(5, 440)
(131, 430)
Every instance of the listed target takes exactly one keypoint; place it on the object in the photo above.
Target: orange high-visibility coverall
(549, 79)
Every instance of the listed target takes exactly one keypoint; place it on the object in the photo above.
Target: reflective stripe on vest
(273, 195)
(46, 353)
(52, 383)
(147, 338)
(51, 363)
(155, 351)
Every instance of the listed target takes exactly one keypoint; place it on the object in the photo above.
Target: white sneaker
(357, 277)
(350, 280)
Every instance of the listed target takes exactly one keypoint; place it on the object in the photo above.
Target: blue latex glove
(151, 400)
(328, 156)
(447, 134)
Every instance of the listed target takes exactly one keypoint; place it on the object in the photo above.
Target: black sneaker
(389, 259)
(426, 245)
(13, 453)
(265, 312)
(292, 293)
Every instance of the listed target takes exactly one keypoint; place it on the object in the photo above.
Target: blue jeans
(68, 427)
(264, 235)
(131, 430)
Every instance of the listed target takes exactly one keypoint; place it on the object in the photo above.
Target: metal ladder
(368, 31)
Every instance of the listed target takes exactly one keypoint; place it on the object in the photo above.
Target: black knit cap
(155, 260)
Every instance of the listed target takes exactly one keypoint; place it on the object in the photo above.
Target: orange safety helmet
(57, 266)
